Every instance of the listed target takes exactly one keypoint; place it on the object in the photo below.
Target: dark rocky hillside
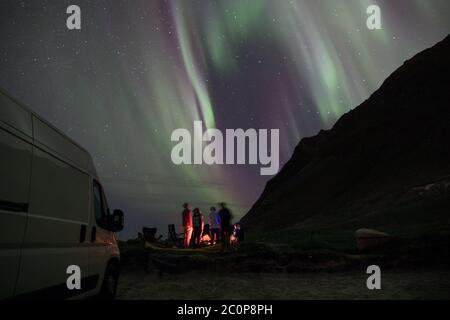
(384, 165)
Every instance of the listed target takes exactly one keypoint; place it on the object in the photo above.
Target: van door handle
(93, 234)
(82, 233)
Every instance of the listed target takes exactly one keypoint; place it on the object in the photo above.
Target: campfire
(206, 236)
(206, 240)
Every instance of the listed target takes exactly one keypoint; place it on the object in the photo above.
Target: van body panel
(14, 115)
(51, 193)
(102, 251)
(15, 170)
(49, 137)
(59, 207)
(44, 268)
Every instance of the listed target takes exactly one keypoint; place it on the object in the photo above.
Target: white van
(53, 213)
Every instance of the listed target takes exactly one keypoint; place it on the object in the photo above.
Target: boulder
(369, 238)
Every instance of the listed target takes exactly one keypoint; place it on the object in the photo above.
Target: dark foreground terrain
(263, 271)
(396, 284)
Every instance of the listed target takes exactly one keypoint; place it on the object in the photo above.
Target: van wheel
(109, 285)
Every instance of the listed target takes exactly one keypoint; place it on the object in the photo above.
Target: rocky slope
(385, 164)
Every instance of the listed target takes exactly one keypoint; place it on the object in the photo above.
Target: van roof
(48, 137)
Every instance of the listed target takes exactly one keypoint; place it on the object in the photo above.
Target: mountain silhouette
(385, 164)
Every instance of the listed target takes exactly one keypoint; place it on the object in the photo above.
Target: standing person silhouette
(225, 226)
(214, 222)
(197, 222)
(187, 224)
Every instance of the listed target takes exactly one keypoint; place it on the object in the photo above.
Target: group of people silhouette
(219, 226)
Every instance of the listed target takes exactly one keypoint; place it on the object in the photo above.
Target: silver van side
(53, 212)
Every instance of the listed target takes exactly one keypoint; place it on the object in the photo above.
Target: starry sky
(138, 69)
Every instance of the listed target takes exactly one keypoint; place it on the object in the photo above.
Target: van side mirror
(117, 221)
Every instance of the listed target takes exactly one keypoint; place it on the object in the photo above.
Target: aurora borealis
(139, 69)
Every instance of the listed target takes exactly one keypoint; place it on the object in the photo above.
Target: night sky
(138, 69)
